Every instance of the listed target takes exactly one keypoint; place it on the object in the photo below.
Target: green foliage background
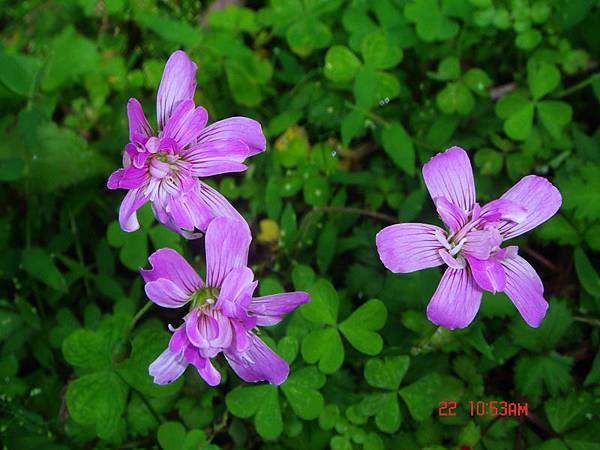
(354, 96)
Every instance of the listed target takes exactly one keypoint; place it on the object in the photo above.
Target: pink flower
(223, 311)
(471, 245)
(166, 169)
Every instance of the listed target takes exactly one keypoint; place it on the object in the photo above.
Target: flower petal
(503, 209)
(488, 273)
(247, 130)
(540, 199)
(178, 83)
(407, 247)
(449, 174)
(185, 124)
(525, 289)
(139, 128)
(227, 243)
(209, 373)
(480, 243)
(451, 215)
(128, 178)
(218, 206)
(216, 157)
(237, 289)
(258, 362)
(165, 293)
(269, 310)
(134, 200)
(167, 367)
(168, 264)
(456, 300)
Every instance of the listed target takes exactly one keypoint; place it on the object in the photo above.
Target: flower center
(204, 297)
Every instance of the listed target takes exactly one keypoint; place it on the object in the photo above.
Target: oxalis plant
(380, 230)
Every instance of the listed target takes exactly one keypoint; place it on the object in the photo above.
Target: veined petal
(237, 285)
(185, 124)
(480, 243)
(270, 309)
(453, 216)
(538, 197)
(128, 178)
(134, 200)
(456, 300)
(139, 128)
(165, 293)
(488, 273)
(168, 264)
(178, 83)
(167, 367)
(525, 289)
(218, 206)
(407, 247)
(503, 209)
(216, 157)
(227, 244)
(449, 174)
(247, 130)
(209, 373)
(258, 362)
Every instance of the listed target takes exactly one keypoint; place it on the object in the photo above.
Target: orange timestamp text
(485, 408)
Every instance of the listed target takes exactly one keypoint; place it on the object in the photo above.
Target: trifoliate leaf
(360, 328)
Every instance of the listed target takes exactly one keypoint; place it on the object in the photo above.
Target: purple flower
(166, 169)
(471, 245)
(223, 311)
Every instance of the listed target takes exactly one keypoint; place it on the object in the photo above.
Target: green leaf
(316, 191)
(585, 438)
(324, 346)
(308, 34)
(543, 79)
(489, 161)
(581, 192)
(323, 305)
(422, 396)
(39, 265)
(58, 150)
(593, 377)
(386, 373)
(71, 55)
(303, 277)
(302, 391)
(389, 417)
(565, 414)
(326, 245)
(588, 277)
(360, 328)
(455, 98)
(379, 51)
(554, 115)
(88, 349)
(518, 125)
(534, 374)
(478, 81)
(398, 145)
(448, 69)
(365, 87)
(171, 435)
(352, 125)
(170, 30)
(97, 399)
(341, 65)
(262, 402)
(146, 346)
(18, 72)
(549, 334)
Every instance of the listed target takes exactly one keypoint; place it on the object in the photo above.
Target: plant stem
(137, 317)
(580, 85)
(591, 321)
(362, 212)
(370, 114)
